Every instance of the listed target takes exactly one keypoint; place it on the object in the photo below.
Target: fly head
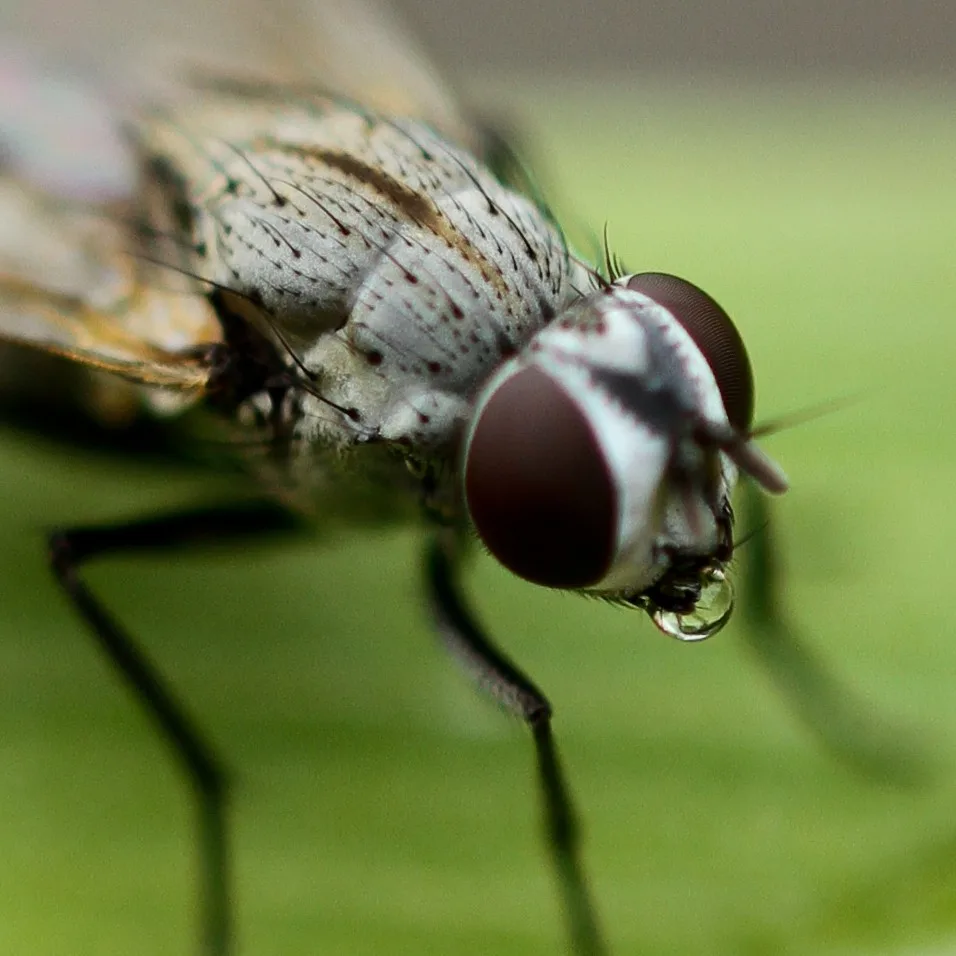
(603, 456)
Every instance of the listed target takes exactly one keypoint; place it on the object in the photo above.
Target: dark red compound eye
(713, 333)
(538, 487)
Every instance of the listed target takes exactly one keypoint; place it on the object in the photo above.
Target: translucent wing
(69, 287)
(58, 133)
(360, 49)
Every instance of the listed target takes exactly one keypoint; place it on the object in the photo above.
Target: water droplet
(711, 613)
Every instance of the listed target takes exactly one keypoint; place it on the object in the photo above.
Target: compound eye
(537, 485)
(713, 333)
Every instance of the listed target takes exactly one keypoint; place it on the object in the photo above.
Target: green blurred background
(380, 807)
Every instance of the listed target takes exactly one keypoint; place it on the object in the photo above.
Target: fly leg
(519, 696)
(69, 550)
(819, 699)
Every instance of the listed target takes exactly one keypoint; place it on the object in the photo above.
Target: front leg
(69, 550)
(518, 694)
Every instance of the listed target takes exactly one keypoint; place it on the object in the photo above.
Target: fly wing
(68, 285)
(67, 326)
(58, 133)
(360, 49)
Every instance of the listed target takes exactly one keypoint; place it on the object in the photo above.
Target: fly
(351, 282)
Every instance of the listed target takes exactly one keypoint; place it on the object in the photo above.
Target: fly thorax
(455, 293)
(599, 458)
(445, 304)
(300, 260)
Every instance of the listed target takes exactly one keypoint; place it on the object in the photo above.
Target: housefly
(358, 283)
